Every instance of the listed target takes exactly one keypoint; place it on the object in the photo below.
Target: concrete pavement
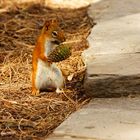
(103, 119)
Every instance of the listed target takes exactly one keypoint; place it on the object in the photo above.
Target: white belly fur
(48, 76)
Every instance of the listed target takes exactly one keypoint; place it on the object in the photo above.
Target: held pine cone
(60, 53)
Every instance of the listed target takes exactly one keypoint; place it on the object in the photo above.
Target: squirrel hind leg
(35, 92)
(58, 90)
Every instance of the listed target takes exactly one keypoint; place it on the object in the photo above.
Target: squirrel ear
(47, 24)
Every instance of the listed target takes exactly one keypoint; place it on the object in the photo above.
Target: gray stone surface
(117, 29)
(105, 10)
(112, 85)
(120, 64)
(103, 119)
(121, 35)
(113, 75)
(113, 58)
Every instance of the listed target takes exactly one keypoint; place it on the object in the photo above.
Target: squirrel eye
(54, 33)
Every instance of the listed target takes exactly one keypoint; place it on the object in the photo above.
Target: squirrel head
(53, 32)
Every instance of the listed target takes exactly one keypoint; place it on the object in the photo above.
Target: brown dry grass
(23, 116)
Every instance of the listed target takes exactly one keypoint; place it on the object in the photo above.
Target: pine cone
(60, 53)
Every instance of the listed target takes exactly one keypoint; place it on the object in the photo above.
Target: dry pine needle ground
(23, 116)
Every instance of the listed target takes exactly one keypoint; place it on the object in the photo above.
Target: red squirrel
(46, 74)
